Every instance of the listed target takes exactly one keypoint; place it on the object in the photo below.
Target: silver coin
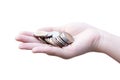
(54, 38)
(47, 40)
(67, 37)
(54, 34)
(57, 43)
(61, 41)
(52, 42)
(40, 33)
(41, 40)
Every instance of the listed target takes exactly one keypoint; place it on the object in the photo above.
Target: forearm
(110, 44)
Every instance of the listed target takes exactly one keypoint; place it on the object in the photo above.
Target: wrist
(109, 44)
(102, 43)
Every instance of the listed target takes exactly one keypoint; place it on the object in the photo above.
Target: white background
(29, 15)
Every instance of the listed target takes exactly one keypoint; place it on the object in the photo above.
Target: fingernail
(17, 37)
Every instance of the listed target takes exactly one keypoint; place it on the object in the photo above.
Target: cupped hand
(85, 36)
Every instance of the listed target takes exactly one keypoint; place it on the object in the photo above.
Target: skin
(86, 39)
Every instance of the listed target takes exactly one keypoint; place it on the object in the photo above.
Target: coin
(53, 42)
(41, 34)
(50, 41)
(67, 37)
(61, 41)
(57, 43)
(41, 40)
(54, 33)
(54, 38)
(47, 40)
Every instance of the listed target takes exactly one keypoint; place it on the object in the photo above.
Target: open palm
(85, 37)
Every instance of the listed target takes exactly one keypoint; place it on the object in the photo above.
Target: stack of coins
(54, 38)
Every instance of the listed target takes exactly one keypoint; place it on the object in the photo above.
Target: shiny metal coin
(50, 41)
(54, 38)
(54, 34)
(41, 40)
(41, 34)
(47, 40)
(57, 43)
(53, 42)
(61, 41)
(67, 37)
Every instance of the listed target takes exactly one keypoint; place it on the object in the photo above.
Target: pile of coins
(54, 38)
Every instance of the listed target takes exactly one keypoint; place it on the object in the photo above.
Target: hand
(85, 36)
